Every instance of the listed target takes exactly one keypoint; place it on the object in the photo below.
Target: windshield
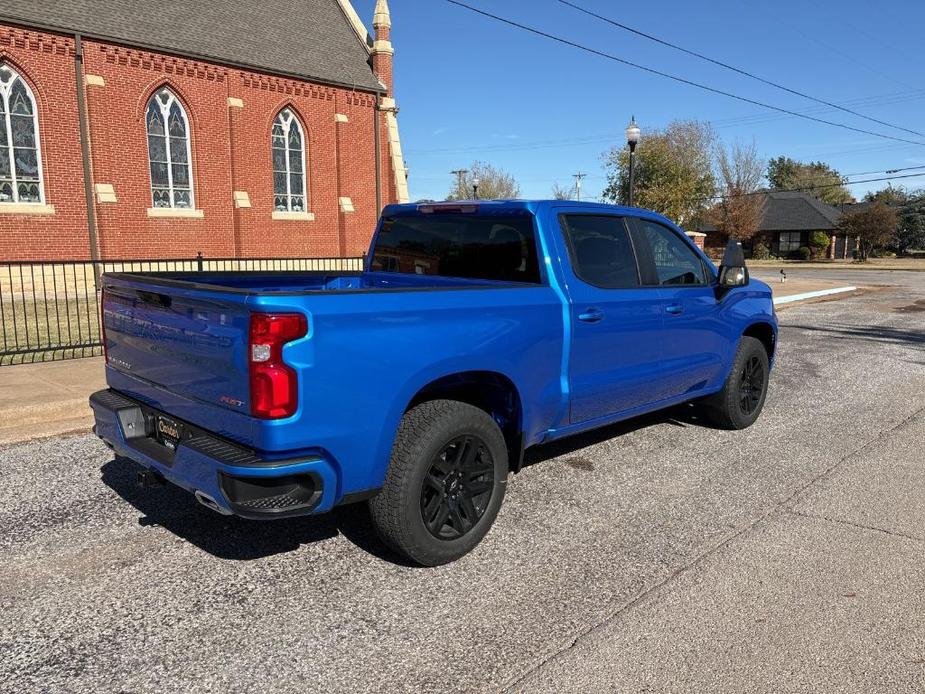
(459, 245)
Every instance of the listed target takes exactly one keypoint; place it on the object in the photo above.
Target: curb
(812, 295)
(47, 419)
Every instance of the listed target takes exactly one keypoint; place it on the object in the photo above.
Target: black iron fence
(50, 310)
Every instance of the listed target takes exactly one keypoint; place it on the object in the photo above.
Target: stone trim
(177, 212)
(285, 215)
(105, 193)
(235, 102)
(346, 204)
(242, 199)
(94, 81)
(384, 47)
(26, 208)
(341, 118)
(398, 160)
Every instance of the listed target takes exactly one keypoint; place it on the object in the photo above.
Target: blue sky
(470, 88)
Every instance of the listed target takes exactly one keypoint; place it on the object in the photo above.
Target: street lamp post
(632, 139)
(475, 188)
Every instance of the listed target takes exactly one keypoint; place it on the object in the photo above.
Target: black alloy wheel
(445, 482)
(457, 488)
(740, 401)
(751, 385)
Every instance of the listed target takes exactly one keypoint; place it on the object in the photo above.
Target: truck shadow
(680, 416)
(239, 539)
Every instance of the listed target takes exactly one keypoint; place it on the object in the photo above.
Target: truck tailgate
(191, 342)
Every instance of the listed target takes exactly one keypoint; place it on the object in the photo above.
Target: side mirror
(733, 277)
(732, 271)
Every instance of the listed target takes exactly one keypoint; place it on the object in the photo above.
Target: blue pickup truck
(476, 330)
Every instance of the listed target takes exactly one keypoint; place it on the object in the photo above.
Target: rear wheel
(445, 482)
(739, 403)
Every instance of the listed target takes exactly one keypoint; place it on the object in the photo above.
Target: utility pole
(578, 176)
(460, 180)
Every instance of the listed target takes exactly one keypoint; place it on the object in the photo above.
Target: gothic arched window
(288, 141)
(20, 155)
(169, 151)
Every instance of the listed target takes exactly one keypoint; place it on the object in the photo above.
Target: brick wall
(230, 152)
(46, 62)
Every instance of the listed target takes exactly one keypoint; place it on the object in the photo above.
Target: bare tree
(560, 192)
(741, 171)
(484, 181)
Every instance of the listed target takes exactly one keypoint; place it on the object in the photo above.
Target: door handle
(674, 309)
(591, 315)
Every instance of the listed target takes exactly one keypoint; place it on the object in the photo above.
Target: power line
(802, 189)
(734, 68)
(675, 78)
(896, 97)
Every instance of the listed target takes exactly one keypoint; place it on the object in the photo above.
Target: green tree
(910, 206)
(673, 171)
(493, 184)
(874, 227)
(818, 179)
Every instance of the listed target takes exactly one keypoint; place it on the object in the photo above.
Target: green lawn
(33, 329)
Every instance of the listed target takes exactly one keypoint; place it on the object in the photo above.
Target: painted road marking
(812, 295)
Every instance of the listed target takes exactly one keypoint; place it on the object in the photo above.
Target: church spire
(381, 15)
(382, 50)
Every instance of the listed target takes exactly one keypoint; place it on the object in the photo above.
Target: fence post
(199, 261)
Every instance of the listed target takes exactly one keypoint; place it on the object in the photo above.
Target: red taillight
(274, 386)
(102, 318)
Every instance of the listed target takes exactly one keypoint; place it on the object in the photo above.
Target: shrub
(819, 244)
(804, 253)
(760, 251)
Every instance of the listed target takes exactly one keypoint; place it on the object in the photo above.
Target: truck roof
(533, 205)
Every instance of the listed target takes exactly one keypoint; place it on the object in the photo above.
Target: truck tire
(445, 482)
(739, 403)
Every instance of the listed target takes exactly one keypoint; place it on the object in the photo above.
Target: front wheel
(445, 482)
(739, 403)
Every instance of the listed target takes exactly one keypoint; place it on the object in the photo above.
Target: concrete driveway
(655, 556)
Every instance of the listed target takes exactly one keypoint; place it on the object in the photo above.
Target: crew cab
(476, 330)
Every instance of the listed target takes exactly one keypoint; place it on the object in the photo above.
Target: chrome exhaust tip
(209, 502)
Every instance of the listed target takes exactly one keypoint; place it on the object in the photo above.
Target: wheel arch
(490, 391)
(766, 334)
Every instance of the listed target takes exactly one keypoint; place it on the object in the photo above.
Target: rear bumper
(228, 478)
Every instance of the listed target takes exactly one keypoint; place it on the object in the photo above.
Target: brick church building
(157, 130)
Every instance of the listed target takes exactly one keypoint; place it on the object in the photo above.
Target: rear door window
(601, 251)
(459, 245)
(675, 261)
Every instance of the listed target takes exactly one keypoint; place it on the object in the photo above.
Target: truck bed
(296, 282)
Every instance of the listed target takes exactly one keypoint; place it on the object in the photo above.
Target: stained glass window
(288, 142)
(20, 158)
(169, 151)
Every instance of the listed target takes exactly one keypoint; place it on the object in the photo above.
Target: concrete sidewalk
(47, 399)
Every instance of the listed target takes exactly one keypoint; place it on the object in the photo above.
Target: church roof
(310, 39)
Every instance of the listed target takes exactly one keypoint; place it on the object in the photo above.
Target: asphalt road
(850, 276)
(659, 555)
